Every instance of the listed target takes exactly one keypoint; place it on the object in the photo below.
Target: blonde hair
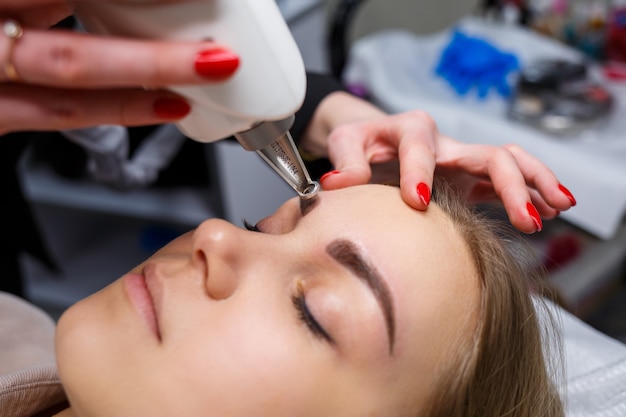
(504, 370)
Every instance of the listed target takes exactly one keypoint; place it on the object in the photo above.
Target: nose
(219, 250)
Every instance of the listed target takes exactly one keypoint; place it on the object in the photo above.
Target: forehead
(380, 212)
(376, 217)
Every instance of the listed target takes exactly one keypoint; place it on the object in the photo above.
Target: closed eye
(304, 314)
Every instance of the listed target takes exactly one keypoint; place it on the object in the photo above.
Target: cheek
(241, 364)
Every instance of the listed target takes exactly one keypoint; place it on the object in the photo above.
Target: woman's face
(344, 308)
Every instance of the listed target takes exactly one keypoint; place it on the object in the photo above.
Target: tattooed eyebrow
(348, 255)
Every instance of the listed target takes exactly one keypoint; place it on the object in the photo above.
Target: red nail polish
(328, 174)
(534, 214)
(568, 194)
(216, 63)
(423, 192)
(171, 108)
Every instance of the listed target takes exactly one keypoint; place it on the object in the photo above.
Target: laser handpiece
(256, 104)
(273, 142)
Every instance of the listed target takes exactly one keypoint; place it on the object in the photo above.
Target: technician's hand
(361, 136)
(528, 189)
(53, 79)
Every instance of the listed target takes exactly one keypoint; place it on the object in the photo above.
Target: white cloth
(397, 68)
(595, 371)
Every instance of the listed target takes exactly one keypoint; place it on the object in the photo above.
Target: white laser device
(258, 102)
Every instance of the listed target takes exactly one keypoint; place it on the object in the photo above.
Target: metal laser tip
(310, 191)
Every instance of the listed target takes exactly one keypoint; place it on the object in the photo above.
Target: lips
(141, 299)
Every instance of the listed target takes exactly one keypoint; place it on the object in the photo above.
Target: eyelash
(249, 226)
(299, 302)
(304, 314)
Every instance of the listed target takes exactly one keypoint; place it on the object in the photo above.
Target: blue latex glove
(469, 62)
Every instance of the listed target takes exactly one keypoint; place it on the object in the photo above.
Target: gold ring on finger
(13, 31)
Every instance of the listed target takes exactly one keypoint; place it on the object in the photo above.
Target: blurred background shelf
(184, 205)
